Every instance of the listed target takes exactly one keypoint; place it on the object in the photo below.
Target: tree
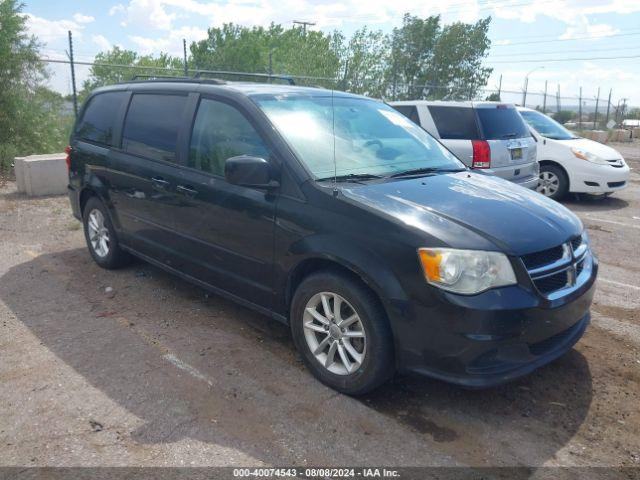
(364, 63)
(436, 62)
(563, 116)
(118, 65)
(29, 112)
(273, 49)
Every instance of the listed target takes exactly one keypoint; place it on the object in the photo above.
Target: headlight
(465, 271)
(588, 156)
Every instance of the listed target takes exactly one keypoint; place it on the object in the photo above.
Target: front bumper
(598, 179)
(491, 338)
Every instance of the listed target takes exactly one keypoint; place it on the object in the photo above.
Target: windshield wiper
(424, 171)
(351, 177)
(509, 135)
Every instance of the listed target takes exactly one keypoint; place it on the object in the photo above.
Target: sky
(562, 42)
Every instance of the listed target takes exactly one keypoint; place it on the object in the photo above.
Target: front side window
(409, 111)
(220, 132)
(152, 125)
(364, 136)
(100, 118)
(545, 126)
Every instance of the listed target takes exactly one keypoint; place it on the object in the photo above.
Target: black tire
(378, 364)
(115, 256)
(563, 181)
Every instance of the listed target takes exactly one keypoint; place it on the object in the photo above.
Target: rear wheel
(553, 182)
(342, 333)
(101, 236)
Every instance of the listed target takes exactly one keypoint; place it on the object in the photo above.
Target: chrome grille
(558, 268)
(617, 163)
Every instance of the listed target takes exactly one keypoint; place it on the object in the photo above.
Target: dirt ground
(157, 372)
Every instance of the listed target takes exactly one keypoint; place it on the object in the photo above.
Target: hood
(512, 218)
(603, 151)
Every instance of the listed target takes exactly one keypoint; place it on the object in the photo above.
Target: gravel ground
(157, 372)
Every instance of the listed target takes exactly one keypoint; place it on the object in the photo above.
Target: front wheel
(553, 182)
(342, 333)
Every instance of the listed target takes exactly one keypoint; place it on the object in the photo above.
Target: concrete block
(635, 132)
(596, 135)
(621, 135)
(38, 175)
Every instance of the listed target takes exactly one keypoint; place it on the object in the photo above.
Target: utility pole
(499, 87)
(304, 25)
(558, 99)
(524, 92)
(608, 106)
(580, 110)
(184, 51)
(624, 108)
(270, 64)
(73, 76)
(544, 99)
(595, 115)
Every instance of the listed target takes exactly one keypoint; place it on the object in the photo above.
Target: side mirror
(249, 171)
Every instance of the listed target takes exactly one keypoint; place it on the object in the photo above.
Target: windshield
(546, 126)
(501, 123)
(371, 138)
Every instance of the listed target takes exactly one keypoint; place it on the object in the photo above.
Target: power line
(566, 59)
(546, 35)
(604, 49)
(596, 37)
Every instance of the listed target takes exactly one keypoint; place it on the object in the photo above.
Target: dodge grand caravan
(335, 214)
(484, 135)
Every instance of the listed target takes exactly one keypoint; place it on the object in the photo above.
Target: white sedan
(573, 164)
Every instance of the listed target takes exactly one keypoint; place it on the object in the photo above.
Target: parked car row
(521, 145)
(337, 215)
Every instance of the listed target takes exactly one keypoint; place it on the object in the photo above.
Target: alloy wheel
(98, 233)
(334, 333)
(549, 183)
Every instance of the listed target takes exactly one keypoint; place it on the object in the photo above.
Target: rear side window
(409, 111)
(455, 123)
(152, 125)
(221, 132)
(100, 118)
(501, 123)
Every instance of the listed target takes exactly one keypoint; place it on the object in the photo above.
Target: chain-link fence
(585, 111)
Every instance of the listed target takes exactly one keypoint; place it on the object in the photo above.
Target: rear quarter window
(455, 123)
(152, 125)
(101, 117)
(501, 123)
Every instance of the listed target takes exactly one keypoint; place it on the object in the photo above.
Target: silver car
(484, 135)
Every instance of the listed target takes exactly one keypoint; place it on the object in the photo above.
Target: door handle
(159, 182)
(187, 190)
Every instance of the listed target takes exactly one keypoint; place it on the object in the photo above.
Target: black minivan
(337, 215)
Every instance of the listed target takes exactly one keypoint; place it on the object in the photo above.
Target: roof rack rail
(176, 78)
(163, 77)
(266, 76)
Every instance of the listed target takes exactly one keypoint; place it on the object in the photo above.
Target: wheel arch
(379, 280)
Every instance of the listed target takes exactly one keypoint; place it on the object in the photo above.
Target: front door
(227, 231)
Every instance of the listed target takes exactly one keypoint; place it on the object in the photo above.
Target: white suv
(483, 135)
(569, 163)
